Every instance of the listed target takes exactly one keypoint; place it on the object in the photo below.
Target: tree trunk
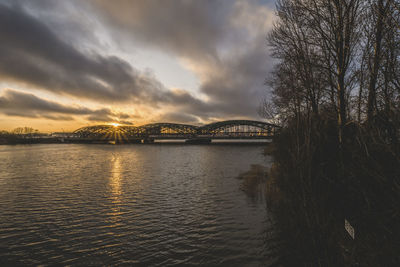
(371, 107)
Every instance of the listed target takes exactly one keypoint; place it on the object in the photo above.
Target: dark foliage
(322, 185)
(337, 157)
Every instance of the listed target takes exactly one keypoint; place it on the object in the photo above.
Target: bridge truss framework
(231, 129)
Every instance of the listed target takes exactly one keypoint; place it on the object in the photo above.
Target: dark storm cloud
(14, 103)
(225, 38)
(193, 27)
(178, 117)
(30, 52)
(238, 85)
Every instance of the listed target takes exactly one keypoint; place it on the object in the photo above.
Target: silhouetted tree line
(20, 135)
(21, 131)
(336, 91)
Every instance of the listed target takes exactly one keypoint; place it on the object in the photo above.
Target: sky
(72, 63)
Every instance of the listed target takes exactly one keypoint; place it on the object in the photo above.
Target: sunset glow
(131, 61)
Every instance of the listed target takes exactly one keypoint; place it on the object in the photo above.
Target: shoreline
(34, 141)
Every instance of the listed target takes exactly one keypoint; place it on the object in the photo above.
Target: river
(141, 205)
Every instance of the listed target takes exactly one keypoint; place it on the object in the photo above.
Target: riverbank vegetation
(253, 181)
(21, 135)
(336, 92)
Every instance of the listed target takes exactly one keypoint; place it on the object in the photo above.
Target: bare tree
(315, 41)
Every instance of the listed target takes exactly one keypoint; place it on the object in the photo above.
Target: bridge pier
(134, 141)
(148, 141)
(198, 141)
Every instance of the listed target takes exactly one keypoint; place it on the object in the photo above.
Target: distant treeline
(23, 135)
(19, 131)
(336, 91)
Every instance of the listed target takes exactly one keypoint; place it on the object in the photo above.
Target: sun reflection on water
(116, 190)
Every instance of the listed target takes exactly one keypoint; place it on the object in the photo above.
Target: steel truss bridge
(232, 129)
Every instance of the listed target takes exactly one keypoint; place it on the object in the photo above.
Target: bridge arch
(169, 128)
(105, 131)
(239, 127)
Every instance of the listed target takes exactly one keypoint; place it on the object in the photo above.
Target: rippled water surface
(142, 205)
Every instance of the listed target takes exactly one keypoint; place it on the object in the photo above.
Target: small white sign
(349, 228)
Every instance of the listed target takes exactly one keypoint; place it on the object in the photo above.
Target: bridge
(231, 129)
